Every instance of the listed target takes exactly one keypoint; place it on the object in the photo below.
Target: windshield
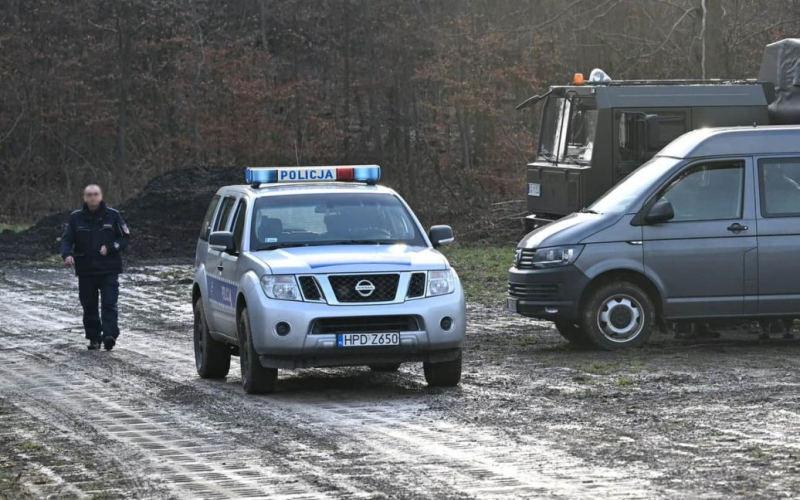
(619, 198)
(568, 129)
(331, 219)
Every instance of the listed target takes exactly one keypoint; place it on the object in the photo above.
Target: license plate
(512, 306)
(534, 189)
(367, 339)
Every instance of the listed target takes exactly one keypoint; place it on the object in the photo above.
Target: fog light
(283, 329)
(551, 310)
(446, 323)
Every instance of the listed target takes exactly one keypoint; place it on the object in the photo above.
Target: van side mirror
(221, 241)
(441, 235)
(662, 211)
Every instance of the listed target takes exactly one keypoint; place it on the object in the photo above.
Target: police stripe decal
(221, 291)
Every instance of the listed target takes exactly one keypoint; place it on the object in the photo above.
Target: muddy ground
(532, 417)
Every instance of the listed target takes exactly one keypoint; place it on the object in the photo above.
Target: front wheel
(255, 378)
(211, 357)
(444, 374)
(572, 333)
(618, 316)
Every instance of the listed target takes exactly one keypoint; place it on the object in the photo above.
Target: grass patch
(624, 382)
(14, 228)
(483, 271)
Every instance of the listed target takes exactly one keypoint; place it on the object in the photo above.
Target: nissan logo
(365, 288)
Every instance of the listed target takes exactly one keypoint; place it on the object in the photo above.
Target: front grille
(345, 287)
(525, 259)
(534, 291)
(311, 290)
(416, 286)
(366, 324)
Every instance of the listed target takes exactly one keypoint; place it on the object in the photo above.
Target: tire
(255, 378)
(618, 316)
(573, 333)
(385, 367)
(444, 374)
(212, 358)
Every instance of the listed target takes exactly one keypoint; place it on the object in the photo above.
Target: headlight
(281, 287)
(440, 283)
(556, 256)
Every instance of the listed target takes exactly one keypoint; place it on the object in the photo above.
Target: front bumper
(304, 348)
(552, 294)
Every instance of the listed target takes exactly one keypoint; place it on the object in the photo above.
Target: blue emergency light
(370, 174)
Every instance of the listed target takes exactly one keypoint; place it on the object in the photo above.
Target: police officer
(92, 242)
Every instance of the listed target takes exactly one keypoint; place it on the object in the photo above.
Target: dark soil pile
(164, 217)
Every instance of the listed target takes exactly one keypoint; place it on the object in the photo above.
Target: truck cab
(594, 134)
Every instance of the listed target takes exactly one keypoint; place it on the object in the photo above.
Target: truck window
(205, 230)
(642, 134)
(710, 191)
(779, 184)
(568, 129)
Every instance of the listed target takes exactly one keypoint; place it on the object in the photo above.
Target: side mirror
(221, 241)
(662, 211)
(652, 125)
(441, 235)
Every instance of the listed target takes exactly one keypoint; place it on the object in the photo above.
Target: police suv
(319, 266)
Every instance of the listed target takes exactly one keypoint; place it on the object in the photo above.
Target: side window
(238, 225)
(642, 134)
(710, 191)
(224, 212)
(779, 182)
(205, 230)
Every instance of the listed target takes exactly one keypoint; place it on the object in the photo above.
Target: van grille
(525, 259)
(534, 291)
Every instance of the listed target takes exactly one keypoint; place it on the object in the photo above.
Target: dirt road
(532, 417)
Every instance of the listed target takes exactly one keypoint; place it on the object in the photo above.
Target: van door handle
(737, 228)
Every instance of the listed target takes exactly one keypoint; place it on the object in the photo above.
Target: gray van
(709, 229)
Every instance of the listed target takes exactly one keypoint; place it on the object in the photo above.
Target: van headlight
(281, 287)
(556, 256)
(440, 283)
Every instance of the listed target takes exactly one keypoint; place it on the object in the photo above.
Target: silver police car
(319, 266)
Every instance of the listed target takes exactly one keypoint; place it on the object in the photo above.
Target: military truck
(594, 133)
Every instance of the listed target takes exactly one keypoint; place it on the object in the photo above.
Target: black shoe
(93, 345)
(109, 342)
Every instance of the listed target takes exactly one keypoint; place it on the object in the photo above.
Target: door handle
(220, 267)
(737, 228)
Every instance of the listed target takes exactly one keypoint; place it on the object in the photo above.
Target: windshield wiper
(589, 211)
(360, 242)
(285, 245)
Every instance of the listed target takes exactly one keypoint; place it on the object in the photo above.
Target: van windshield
(619, 198)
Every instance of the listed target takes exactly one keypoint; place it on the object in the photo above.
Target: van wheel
(572, 333)
(618, 316)
(385, 367)
(255, 378)
(445, 374)
(211, 357)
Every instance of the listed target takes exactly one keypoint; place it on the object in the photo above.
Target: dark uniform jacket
(87, 232)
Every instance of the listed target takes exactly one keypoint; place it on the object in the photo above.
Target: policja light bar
(256, 176)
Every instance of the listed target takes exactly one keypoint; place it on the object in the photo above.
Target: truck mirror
(662, 211)
(652, 127)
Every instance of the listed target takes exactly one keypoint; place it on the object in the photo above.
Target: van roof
(735, 141)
